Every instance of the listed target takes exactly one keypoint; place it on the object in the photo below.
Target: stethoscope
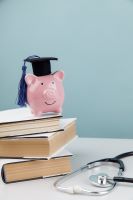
(101, 180)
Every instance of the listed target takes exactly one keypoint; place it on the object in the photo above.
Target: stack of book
(34, 147)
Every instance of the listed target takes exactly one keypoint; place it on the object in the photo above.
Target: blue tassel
(22, 89)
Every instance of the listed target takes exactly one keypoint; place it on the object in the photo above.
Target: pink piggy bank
(45, 93)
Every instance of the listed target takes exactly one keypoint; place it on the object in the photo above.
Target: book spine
(3, 174)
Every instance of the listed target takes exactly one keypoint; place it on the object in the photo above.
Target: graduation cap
(41, 67)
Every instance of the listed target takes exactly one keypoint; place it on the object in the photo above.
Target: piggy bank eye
(53, 82)
(41, 83)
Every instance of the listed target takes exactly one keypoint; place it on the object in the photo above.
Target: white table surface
(84, 150)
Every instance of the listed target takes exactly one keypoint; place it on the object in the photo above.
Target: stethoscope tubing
(78, 190)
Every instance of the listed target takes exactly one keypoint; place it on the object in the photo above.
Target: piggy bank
(45, 93)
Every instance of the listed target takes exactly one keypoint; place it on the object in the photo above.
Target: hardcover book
(38, 145)
(20, 121)
(22, 170)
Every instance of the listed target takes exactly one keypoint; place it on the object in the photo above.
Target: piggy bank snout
(49, 94)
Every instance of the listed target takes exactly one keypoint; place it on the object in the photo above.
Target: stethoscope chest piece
(100, 180)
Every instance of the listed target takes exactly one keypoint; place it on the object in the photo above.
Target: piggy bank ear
(30, 78)
(59, 75)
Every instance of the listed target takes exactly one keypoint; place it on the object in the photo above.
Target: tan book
(15, 171)
(39, 145)
(20, 121)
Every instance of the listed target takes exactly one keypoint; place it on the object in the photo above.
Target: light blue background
(93, 40)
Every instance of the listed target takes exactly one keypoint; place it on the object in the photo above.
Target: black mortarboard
(41, 67)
